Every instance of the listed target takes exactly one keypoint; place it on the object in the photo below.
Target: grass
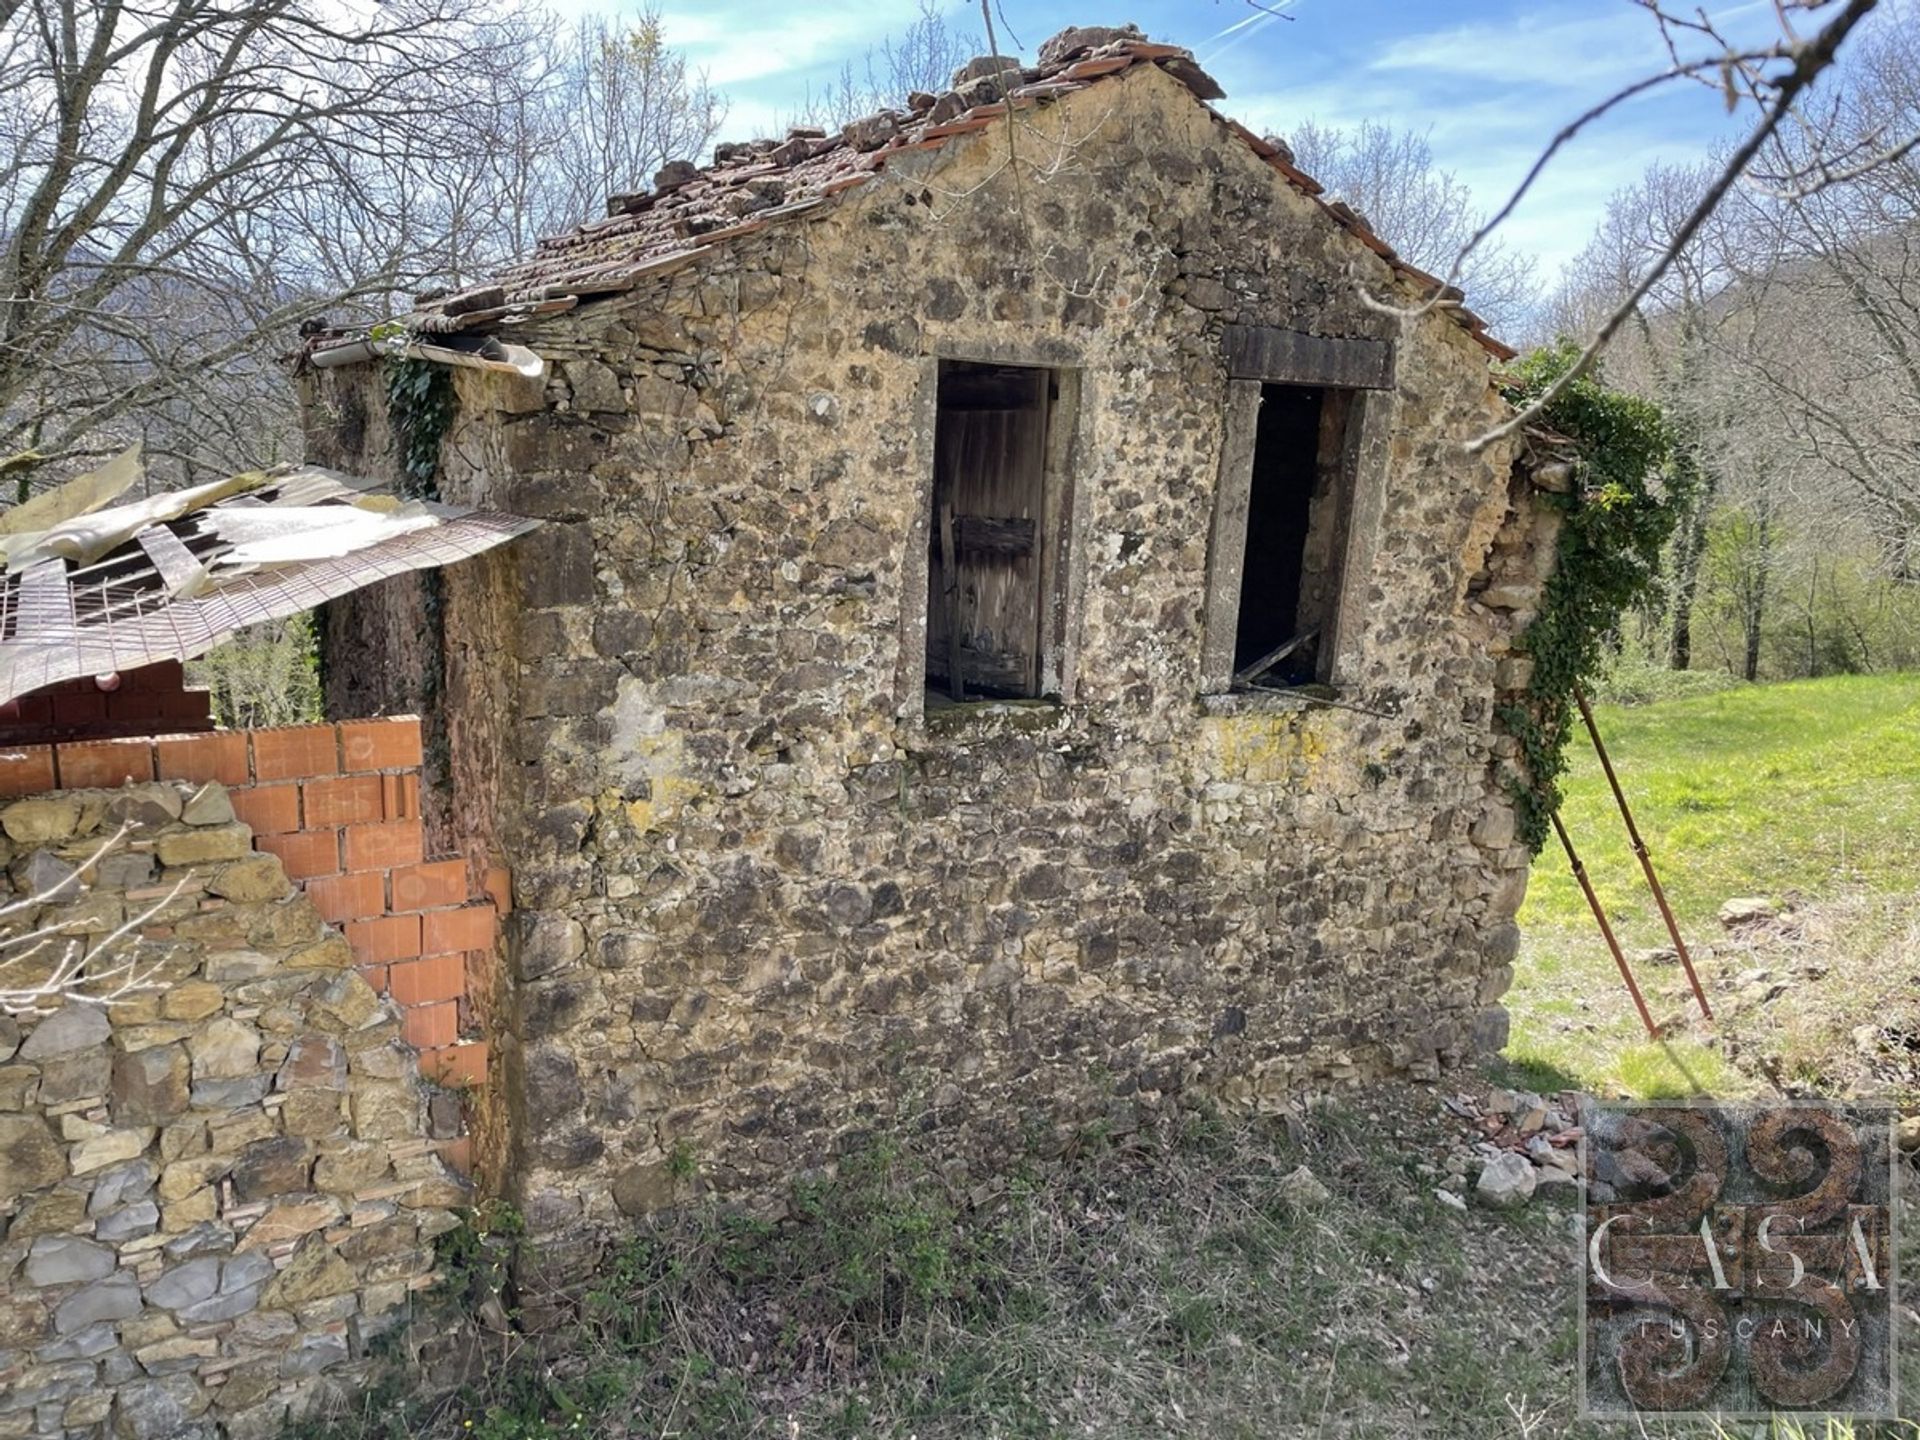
(1807, 793)
(1145, 1288)
(1161, 1285)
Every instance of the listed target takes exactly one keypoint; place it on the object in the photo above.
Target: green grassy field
(1808, 793)
(1158, 1286)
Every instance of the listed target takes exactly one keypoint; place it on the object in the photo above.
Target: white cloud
(738, 45)
(1607, 44)
(1488, 95)
(1529, 51)
(1490, 142)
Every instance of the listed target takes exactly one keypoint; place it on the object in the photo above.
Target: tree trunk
(1813, 622)
(1689, 547)
(1757, 600)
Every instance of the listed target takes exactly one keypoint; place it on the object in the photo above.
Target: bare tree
(1774, 76)
(596, 107)
(184, 182)
(1784, 338)
(1663, 352)
(923, 57)
(1831, 274)
(628, 105)
(1423, 211)
(170, 174)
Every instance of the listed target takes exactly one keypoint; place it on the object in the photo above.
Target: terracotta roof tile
(966, 125)
(1046, 89)
(1297, 178)
(1093, 69)
(749, 186)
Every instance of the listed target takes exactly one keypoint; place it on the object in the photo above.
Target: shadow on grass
(1542, 1077)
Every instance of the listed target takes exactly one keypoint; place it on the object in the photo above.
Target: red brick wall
(153, 700)
(340, 805)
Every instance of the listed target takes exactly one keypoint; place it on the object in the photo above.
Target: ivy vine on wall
(1631, 485)
(420, 402)
(420, 409)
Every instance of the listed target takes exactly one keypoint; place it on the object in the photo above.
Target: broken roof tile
(1045, 89)
(965, 125)
(734, 232)
(1091, 69)
(1184, 69)
(1295, 176)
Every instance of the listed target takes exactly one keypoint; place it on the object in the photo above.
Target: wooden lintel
(1293, 357)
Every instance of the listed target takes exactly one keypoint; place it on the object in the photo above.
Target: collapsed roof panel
(95, 588)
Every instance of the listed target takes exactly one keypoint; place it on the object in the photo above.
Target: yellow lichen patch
(669, 793)
(651, 761)
(1265, 748)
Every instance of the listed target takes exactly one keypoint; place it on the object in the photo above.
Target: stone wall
(768, 901)
(216, 1194)
(340, 805)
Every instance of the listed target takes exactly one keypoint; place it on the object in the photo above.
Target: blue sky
(1486, 80)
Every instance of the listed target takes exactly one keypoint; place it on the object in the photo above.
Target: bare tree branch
(1810, 60)
(44, 967)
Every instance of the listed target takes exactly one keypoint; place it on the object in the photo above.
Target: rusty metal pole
(1646, 860)
(1600, 914)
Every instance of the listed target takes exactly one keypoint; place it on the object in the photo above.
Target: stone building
(1014, 643)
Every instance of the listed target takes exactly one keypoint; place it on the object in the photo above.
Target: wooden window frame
(1062, 581)
(1258, 356)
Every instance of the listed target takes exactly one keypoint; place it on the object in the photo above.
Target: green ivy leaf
(1632, 487)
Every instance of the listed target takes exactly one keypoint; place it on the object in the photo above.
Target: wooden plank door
(989, 498)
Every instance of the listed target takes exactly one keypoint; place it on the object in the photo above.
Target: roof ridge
(691, 210)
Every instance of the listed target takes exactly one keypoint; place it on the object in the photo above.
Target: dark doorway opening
(985, 581)
(1296, 523)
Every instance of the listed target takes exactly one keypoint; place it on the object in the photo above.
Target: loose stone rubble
(1519, 1146)
(1506, 1181)
(214, 1196)
(1748, 910)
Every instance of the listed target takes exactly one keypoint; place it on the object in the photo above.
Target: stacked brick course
(339, 804)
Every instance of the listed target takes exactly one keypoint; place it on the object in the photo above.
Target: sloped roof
(692, 211)
(90, 590)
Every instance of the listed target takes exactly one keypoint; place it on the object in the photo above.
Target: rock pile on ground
(1517, 1145)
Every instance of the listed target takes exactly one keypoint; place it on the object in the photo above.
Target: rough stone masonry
(774, 893)
(215, 1195)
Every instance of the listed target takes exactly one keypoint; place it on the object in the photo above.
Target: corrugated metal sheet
(128, 585)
